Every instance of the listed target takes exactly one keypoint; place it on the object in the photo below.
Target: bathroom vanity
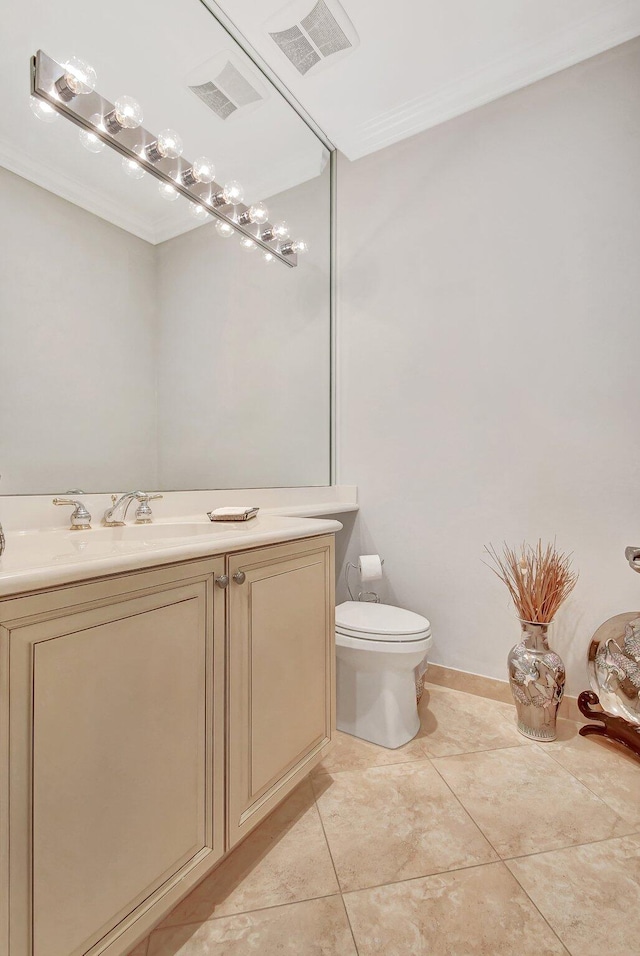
(157, 703)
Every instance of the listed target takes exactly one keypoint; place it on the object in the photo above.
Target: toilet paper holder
(370, 596)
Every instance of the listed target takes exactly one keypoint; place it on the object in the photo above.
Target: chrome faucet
(114, 517)
(80, 517)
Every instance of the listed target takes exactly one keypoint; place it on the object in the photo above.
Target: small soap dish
(232, 514)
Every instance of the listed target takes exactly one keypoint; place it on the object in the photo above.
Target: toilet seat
(365, 622)
(421, 646)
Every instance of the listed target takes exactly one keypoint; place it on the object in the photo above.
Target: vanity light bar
(47, 79)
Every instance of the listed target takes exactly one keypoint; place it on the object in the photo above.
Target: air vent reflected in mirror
(312, 35)
(227, 85)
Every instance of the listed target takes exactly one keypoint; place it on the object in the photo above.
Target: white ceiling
(143, 48)
(412, 64)
(421, 62)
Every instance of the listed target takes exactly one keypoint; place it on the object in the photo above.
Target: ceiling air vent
(227, 85)
(312, 35)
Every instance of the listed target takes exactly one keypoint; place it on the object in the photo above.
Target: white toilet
(378, 648)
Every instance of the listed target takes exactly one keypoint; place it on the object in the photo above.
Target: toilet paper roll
(370, 567)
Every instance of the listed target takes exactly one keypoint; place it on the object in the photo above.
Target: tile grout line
(424, 756)
(550, 849)
(540, 913)
(587, 787)
(481, 831)
(464, 809)
(502, 861)
(326, 840)
(424, 876)
(255, 909)
(548, 753)
(395, 763)
(459, 869)
(346, 913)
(483, 750)
(569, 846)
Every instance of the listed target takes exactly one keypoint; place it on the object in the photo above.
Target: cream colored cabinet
(148, 721)
(113, 730)
(281, 673)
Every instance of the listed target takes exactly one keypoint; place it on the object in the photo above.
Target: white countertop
(47, 558)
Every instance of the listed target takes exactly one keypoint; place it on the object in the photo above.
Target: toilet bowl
(378, 648)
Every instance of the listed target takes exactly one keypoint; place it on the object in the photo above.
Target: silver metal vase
(537, 677)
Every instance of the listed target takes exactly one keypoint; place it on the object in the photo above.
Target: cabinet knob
(222, 581)
(239, 577)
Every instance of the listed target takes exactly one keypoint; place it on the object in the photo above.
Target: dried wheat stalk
(538, 579)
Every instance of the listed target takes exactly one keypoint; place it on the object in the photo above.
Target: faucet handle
(144, 515)
(80, 517)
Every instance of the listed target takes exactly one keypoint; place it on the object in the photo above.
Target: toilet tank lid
(368, 618)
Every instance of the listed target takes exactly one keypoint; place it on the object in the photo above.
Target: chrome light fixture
(78, 78)
(126, 114)
(168, 145)
(69, 90)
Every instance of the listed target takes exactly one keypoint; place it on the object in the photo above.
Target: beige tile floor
(468, 841)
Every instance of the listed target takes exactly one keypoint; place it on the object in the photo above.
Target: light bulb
(268, 257)
(299, 246)
(247, 243)
(198, 212)
(42, 110)
(224, 229)
(280, 230)
(79, 77)
(202, 171)
(168, 192)
(168, 145)
(233, 193)
(132, 169)
(90, 141)
(257, 213)
(127, 114)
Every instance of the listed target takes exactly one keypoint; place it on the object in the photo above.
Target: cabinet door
(115, 796)
(281, 673)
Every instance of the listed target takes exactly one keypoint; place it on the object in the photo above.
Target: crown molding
(522, 66)
(118, 214)
(113, 211)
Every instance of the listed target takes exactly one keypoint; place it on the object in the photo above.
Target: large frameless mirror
(144, 341)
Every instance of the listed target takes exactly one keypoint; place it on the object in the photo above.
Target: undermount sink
(58, 546)
(154, 532)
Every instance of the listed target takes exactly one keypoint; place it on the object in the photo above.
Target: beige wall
(489, 351)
